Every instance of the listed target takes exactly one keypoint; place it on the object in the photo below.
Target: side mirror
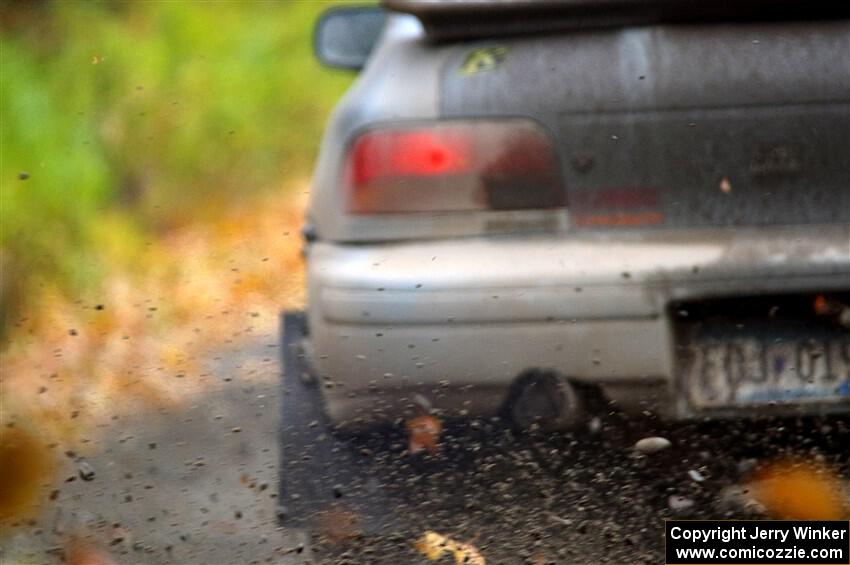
(344, 37)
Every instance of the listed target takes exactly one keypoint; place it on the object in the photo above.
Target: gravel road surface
(198, 484)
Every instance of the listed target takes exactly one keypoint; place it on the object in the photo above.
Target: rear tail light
(453, 167)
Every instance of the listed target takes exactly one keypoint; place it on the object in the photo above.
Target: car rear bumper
(458, 321)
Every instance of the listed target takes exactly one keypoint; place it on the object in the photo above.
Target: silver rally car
(521, 206)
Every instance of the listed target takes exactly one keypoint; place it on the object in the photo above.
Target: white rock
(696, 476)
(738, 498)
(677, 503)
(652, 444)
(747, 465)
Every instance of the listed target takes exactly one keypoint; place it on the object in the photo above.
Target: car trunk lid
(678, 125)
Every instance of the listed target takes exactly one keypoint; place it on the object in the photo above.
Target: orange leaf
(794, 490)
(424, 434)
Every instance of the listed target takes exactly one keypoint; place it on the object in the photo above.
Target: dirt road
(197, 484)
(192, 484)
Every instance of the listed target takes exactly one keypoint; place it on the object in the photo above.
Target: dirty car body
(657, 211)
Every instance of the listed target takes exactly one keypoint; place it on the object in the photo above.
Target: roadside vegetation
(153, 166)
(123, 122)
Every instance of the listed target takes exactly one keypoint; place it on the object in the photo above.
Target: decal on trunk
(483, 59)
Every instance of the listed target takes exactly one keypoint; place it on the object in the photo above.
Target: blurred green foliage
(142, 116)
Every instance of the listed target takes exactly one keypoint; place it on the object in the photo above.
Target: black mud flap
(323, 472)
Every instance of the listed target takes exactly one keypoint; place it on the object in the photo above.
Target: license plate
(753, 370)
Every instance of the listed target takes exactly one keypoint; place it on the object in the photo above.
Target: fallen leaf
(540, 559)
(433, 546)
(25, 463)
(81, 552)
(795, 490)
(339, 524)
(223, 527)
(424, 434)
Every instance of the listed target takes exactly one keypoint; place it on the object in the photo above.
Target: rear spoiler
(468, 19)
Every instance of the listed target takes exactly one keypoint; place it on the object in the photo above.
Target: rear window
(446, 20)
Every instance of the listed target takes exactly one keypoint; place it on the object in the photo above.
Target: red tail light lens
(453, 167)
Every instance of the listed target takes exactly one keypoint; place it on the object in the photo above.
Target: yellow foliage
(795, 490)
(140, 339)
(433, 546)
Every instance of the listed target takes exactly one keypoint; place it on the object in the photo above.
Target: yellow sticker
(483, 59)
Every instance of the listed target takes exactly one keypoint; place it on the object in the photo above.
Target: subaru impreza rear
(650, 208)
